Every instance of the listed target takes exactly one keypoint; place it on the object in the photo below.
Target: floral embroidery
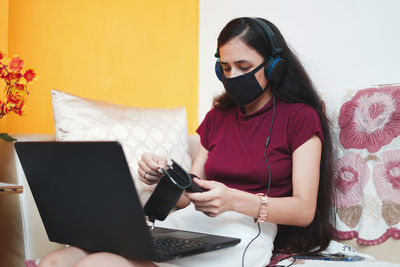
(368, 209)
(387, 183)
(371, 119)
(391, 213)
(350, 216)
(351, 175)
(387, 176)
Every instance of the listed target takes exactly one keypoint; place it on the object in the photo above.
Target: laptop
(86, 198)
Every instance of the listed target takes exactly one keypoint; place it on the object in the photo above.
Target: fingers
(144, 168)
(147, 178)
(161, 162)
(150, 168)
(147, 175)
(149, 164)
(209, 211)
(199, 196)
(212, 202)
(206, 184)
(206, 196)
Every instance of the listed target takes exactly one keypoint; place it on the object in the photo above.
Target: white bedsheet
(229, 224)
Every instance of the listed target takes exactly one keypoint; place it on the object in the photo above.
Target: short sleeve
(205, 128)
(304, 123)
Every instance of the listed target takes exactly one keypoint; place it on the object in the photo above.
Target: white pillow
(160, 131)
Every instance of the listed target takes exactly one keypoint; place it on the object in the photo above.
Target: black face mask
(245, 88)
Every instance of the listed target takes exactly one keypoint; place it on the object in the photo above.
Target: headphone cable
(267, 143)
(269, 173)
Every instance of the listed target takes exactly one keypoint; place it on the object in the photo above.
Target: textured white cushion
(160, 131)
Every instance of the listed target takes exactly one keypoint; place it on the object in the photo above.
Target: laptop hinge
(150, 222)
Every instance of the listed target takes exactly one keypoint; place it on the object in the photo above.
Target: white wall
(342, 43)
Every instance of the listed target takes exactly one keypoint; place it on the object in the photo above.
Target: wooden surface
(6, 188)
(12, 251)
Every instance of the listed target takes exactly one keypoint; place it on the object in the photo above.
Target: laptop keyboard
(169, 244)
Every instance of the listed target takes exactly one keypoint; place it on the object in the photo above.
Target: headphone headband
(275, 46)
(276, 66)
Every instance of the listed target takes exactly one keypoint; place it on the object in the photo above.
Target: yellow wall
(3, 47)
(3, 25)
(131, 52)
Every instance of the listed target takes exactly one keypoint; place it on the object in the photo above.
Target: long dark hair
(295, 87)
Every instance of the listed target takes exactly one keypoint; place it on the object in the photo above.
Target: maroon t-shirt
(236, 142)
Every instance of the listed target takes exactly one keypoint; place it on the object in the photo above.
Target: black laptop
(86, 198)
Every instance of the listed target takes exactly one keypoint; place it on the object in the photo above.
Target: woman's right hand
(150, 168)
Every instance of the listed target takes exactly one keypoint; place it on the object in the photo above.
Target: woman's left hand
(213, 202)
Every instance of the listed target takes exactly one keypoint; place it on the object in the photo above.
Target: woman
(265, 153)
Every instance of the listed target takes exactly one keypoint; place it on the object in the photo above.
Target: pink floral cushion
(367, 170)
(371, 119)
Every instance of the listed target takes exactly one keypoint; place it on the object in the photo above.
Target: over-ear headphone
(276, 66)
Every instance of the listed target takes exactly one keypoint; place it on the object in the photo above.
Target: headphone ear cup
(218, 71)
(268, 67)
(275, 69)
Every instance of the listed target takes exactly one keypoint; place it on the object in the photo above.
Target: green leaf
(6, 137)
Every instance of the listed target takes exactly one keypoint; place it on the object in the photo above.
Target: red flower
(5, 108)
(16, 85)
(371, 119)
(16, 64)
(20, 87)
(3, 71)
(13, 77)
(29, 75)
(20, 108)
(14, 98)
